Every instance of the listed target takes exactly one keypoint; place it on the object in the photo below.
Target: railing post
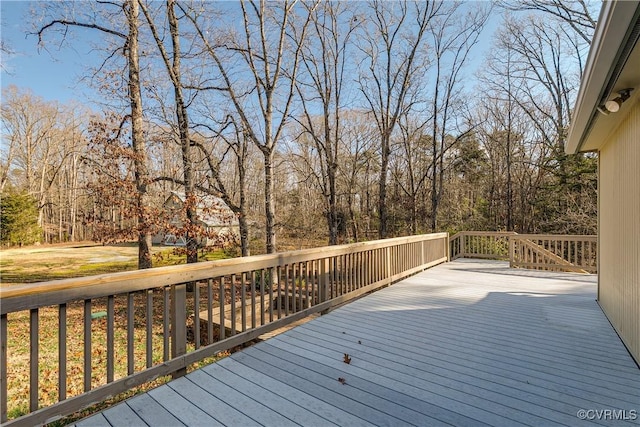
(387, 264)
(179, 323)
(463, 244)
(511, 250)
(325, 281)
(447, 249)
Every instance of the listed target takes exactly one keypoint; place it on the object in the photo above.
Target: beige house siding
(619, 222)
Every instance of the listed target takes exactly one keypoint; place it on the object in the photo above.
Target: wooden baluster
(149, 328)
(130, 333)
(243, 301)
(222, 301)
(279, 275)
(232, 293)
(253, 300)
(287, 284)
(196, 314)
(3, 367)
(306, 284)
(62, 352)
(110, 338)
(87, 345)
(166, 318)
(179, 323)
(209, 311)
(352, 272)
(262, 309)
(294, 292)
(324, 280)
(34, 335)
(271, 285)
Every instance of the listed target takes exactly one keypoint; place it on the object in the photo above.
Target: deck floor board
(465, 343)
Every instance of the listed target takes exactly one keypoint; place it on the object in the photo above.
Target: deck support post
(387, 265)
(325, 281)
(512, 248)
(447, 246)
(178, 324)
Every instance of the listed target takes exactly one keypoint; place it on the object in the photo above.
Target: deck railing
(480, 244)
(532, 251)
(137, 326)
(554, 252)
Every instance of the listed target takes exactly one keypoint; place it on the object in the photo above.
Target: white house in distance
(214, 216)
(606, 119)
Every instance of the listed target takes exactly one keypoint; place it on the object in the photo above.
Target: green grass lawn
(42, 263)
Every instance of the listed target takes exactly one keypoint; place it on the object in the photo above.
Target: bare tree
(413, 164)
(101, 21)
(11, 130)
(545, 63)
(579, 14)
(236, 150)
(358, 168)
(5, 52)
(269, 49)
(393, 46)
(452, 36)
(324, 58)
(172, 63)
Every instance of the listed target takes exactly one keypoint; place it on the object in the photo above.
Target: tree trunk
(242, 217)
(333, 208)
(269, 206)
(185, 140)
(382, 188)
(137, 140)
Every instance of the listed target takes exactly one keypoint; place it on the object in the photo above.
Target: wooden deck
(465, 343)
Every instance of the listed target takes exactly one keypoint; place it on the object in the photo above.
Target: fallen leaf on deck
(347, 359)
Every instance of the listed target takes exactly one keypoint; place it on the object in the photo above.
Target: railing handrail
(525, 236)
(484, 233)
(36, 295)
(572, 237)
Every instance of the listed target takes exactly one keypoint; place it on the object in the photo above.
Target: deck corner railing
(533, 251)
(480, 244)
(150, 323)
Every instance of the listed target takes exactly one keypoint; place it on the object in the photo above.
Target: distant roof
(613, 64)
(211, 210)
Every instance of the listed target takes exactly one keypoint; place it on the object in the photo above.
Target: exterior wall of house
(619, 233)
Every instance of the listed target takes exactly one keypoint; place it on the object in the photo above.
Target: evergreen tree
(19, 219)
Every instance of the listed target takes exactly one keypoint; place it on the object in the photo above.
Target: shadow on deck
(464, 343)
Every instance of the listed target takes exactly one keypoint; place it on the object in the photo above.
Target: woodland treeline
(343, 121)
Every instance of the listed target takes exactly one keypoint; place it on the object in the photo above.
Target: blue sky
(52, 74)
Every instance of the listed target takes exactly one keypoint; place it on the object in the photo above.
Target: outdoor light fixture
(613, 105)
